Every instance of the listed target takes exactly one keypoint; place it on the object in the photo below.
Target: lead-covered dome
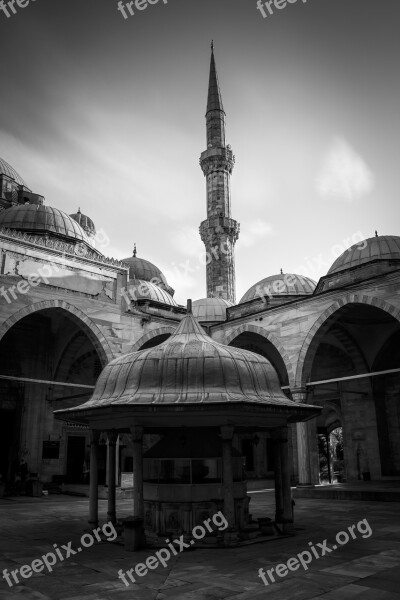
(383, 247)
(188, 368)
(41, 219)
(283, 284)
(209, 310)
(85, 222)
(142, 269)
(146, 290)
(9, 171)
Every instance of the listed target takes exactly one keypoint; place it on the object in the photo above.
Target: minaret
(218, 232)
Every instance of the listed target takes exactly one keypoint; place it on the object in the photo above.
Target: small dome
(142, 269)
(145, 290)
(384, 247)
(41, 219)
(210, 309)
(85, 222)
(6, 169)
(188, 368)
(284, 284)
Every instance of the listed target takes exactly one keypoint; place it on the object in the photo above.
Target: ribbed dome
(383, 247)
(8, 170)
(41, 219)
(210, 309)
(145, 290)
(188, 368)
(287, 284)
(139, 268)
(85, 222)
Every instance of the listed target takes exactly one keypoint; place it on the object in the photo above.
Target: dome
(41, 219)
(142, 269)
(384, 247)
(210, 309)
(145, 290)
(85, 222)
(284, 284)
(188, 368)
(6, 169)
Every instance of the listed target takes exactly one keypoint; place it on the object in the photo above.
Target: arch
(393, 311)
(99, 341)
(248, 328)
(168, 330)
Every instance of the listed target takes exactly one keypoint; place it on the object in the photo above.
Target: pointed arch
(270, 337)
(94, 333)
(322, 320)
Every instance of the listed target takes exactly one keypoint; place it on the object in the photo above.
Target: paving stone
(364, 568)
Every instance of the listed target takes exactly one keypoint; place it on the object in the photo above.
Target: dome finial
(79, 210)
(134, 250)
(189, 307)
(281, 271)
(376, 233)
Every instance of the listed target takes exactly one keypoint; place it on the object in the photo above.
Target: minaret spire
(219, 231)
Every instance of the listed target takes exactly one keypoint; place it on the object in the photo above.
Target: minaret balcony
(215, 226)
(223, 152)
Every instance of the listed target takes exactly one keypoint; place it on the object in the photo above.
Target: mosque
(67, 311)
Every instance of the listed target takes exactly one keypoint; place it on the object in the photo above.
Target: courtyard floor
(365, 568)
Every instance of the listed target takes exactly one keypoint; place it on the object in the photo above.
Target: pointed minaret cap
(214, 101)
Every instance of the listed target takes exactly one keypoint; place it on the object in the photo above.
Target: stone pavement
(368, 569)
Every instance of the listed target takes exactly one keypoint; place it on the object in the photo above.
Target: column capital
(95, 436)
(299, 394)
(227, 432)
(137, 433)
(112, 437)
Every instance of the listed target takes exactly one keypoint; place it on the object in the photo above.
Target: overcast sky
(108, 114)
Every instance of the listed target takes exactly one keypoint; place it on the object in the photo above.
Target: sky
(108, 114)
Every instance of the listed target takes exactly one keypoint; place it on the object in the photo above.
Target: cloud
(344, 174)
(252, 231)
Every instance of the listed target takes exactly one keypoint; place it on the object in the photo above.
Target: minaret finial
(212, 45)
(134, 251)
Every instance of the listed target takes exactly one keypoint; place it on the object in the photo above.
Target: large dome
(284, 284)
(209, 310)
(384, 247)
(139, 268)
(6, 169)
(188, 368)
(41, 219)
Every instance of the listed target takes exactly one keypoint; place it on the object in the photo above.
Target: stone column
(278, 478)
(227, 474)
(112, 440)
(287, 515)
(94, 479)
(137, 441)
(283, 493)
(303, 442)
(117, 470)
